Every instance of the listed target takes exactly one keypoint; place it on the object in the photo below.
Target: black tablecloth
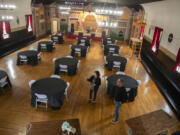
(87, 41)
(4, 74)
(54, 89)
(49, 45)
(31, 55)
(83, 50)
(128, 83)
(106, 49)
(58, 39)
(111, 59)
(71, 63)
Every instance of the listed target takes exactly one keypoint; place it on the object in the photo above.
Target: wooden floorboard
(16, 112)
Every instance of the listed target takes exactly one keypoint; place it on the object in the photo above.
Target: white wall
(165, 14)
(23, 7)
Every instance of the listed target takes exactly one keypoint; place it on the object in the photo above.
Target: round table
(129, 82)
(111, 59)
(54, 89)
(31, 55)
(70, 62)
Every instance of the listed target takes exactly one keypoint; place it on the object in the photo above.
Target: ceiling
(117, 2)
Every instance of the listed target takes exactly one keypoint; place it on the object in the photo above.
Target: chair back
(68, 84)
(39, 54)
(69, 57)
(112, 49)
(117, 63)
(120, 73)
(54, 59)
(55, 76)
(83, 40)
(31, 82)
(70, 46)
(78, 63)
(106, 81)
(128, 89)
(2, 80)
(2, 69)
(109, 42)
(82, 44)
(63, 66)
(115, 55)
(43, 45)
(23, 56)
(139, 82)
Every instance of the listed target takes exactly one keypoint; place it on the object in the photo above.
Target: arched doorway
(90, 23)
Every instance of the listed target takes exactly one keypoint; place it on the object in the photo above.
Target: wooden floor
(16, 112)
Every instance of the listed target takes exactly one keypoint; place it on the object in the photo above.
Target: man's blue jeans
(117, 109)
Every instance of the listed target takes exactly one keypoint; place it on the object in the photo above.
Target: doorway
(72, 28)
(54, 27)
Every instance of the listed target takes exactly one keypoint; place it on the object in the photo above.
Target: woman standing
(95, 82)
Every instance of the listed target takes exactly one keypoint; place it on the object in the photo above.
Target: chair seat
(41, 96)
(43, 100)
(77, 50)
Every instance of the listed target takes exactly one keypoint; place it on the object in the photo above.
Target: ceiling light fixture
(65, 8)
(65, 13)
(7, 7)
(109, 12)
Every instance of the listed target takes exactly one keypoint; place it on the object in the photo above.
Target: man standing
(119, 98)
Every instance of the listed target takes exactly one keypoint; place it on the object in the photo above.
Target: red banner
(156, 40)
(5, 29)
(141, 33)
(29, 23)
(177, 68)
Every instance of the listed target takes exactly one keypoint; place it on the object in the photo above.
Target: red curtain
(29, 23)
(141, 33)
(5, 29)
(177, 67)
(156, 39)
